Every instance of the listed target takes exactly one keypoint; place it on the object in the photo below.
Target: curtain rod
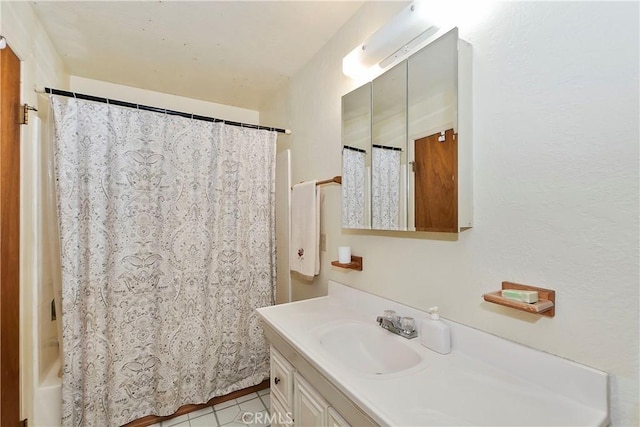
(386, 147)
(157, 109)
(359, 150)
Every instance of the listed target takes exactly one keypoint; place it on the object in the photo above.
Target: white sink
(367, 348)
(398, 382)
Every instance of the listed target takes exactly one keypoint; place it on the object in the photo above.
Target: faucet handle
(408, 324)
(390, 314)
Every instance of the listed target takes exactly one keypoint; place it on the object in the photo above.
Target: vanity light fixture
(395, 39)
(3, 42)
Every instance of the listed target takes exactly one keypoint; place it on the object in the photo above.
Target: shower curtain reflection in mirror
(167, 247)
(354, 188)
(385, 188)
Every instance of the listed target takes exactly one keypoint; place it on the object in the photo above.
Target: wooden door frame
(9, 238)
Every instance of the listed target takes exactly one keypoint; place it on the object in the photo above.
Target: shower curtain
(353, 188)
(167, 247)
(385, 188)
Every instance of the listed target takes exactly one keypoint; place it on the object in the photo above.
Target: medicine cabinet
(407, 144)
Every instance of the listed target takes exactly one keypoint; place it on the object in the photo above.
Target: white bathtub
(47, 398)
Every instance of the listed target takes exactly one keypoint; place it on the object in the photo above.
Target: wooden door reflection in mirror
(436, 190)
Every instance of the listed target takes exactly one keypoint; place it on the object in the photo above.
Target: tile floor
(251, 410)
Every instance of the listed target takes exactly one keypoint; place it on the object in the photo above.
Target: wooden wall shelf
(355, 264)
(546, 305)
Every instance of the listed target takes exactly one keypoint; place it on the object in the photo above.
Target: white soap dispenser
(435, 334)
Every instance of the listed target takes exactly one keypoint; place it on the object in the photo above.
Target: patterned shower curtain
(167, 247)
(353, 188)
(385, 188)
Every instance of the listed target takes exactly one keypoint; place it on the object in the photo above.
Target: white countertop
(485, 380)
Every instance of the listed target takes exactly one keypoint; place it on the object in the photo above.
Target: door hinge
(24, 120)
(23, 423)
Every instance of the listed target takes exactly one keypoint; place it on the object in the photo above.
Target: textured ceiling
(229, 52)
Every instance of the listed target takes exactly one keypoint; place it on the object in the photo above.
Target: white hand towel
(305, 230)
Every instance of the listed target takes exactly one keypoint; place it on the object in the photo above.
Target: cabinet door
(281, 379)
(309, 408)
(335, 420)
(280, 417)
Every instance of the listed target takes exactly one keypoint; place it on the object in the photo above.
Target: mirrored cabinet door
(356, 158)
(389, 150)
(432, 101)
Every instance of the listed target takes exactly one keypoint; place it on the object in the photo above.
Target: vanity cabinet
(281, 380)
(309, 408)
(280, 417)
(334, 419)
(294, 401)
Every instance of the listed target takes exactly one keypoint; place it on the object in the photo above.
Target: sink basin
(367, 348)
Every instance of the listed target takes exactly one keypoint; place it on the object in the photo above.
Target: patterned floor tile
(208, 420)
(246, 397)
(227, 415)
(176, 421)
(254, 405)
(224, 404)
(200, 412)
(266, 399)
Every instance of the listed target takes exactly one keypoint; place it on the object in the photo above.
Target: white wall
(41, 65)
(556, 138)
(162, 100)
(283, 207)
(310, 107)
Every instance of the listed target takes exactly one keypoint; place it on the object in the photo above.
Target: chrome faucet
(403, 326)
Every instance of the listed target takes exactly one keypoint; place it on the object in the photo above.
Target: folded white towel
(305, 230)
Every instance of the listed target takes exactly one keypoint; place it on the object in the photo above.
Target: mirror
(432, 136)
(389, 150)
(356, 158)
(413, 169)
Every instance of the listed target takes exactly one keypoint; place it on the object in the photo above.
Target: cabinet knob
(276, 380)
